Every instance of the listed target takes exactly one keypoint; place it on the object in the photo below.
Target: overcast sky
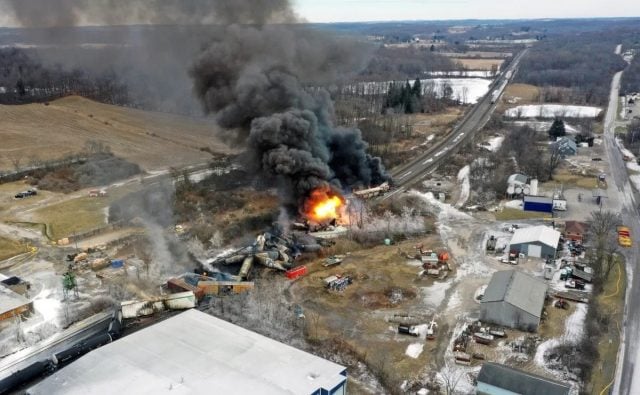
(383, 10)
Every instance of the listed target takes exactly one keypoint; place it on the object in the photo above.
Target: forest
(581, 66)
(631, 78)
(25, 80)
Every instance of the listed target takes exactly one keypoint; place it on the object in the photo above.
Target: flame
(324, 204)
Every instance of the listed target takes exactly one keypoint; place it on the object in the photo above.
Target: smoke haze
(259, 79)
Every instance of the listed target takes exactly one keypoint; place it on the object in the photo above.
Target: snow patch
(552, 111)
(434, 295)
(465, 185)
(514, 204)
(495, 143)
(414, 350)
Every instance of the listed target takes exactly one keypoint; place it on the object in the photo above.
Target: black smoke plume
(259, 80)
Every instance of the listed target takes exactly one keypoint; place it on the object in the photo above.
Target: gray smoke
(57, 13)
(258, 80)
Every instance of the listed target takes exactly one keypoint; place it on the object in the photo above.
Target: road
(627, 379)
(416, 170)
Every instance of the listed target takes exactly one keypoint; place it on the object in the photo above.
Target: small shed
(538, 203)
(576, 231)
(513, 299)
(517, 180)
(497, 379)
(535, 241)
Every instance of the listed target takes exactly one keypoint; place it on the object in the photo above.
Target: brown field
(525, 92)
(358, 315)
(477, 54)
(10, 248)
(150, 139)
(478, 64)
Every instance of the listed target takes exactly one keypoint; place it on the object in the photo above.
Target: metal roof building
(513, 299)
(195, 353)
(536, 241)
(497, 379)
(12, 304)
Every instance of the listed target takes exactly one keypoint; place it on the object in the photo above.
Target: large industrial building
(513, 299)
(535, 241)
(195, 353)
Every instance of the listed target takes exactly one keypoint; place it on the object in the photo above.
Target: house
(517, 180)
(535, 241)
(576, 231)
(196, 353)
(566, 146)
(513, 299)
(497, 379)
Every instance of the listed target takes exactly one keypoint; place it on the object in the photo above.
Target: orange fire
(324, 204)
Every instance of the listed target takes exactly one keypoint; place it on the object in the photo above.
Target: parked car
(27, 193)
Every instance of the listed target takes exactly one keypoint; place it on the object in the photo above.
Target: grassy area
(566, 178)
(611, 300)
(526, 92)
(621, 129)
(73, 216)
(10, 248)
(508, 214)
(76, 215)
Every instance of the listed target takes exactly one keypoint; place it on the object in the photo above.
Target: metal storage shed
(538, 203)
(536, 241)
(513, 299)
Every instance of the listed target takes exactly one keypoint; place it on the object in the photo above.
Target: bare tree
(602, 226)
(555, 157)
(450, 377)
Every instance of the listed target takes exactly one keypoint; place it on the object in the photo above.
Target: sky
(388, 10)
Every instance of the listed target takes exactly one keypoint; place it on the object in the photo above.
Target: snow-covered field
(466, 90)
(552, 111)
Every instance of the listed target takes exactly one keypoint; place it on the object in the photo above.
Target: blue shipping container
(538, 203)
(116, 263)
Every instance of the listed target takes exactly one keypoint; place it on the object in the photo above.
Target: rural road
(414, 171)
(627, 379)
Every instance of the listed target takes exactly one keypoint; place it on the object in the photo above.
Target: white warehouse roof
(542, 234)
(194, 353)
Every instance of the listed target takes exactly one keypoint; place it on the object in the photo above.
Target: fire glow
(324, 205)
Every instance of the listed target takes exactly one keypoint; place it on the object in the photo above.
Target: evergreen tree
(557, 129)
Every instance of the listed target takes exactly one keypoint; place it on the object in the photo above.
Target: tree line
(631, 78)
(580, 65)
(25, 80)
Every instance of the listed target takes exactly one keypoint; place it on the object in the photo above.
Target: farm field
(142, 137)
